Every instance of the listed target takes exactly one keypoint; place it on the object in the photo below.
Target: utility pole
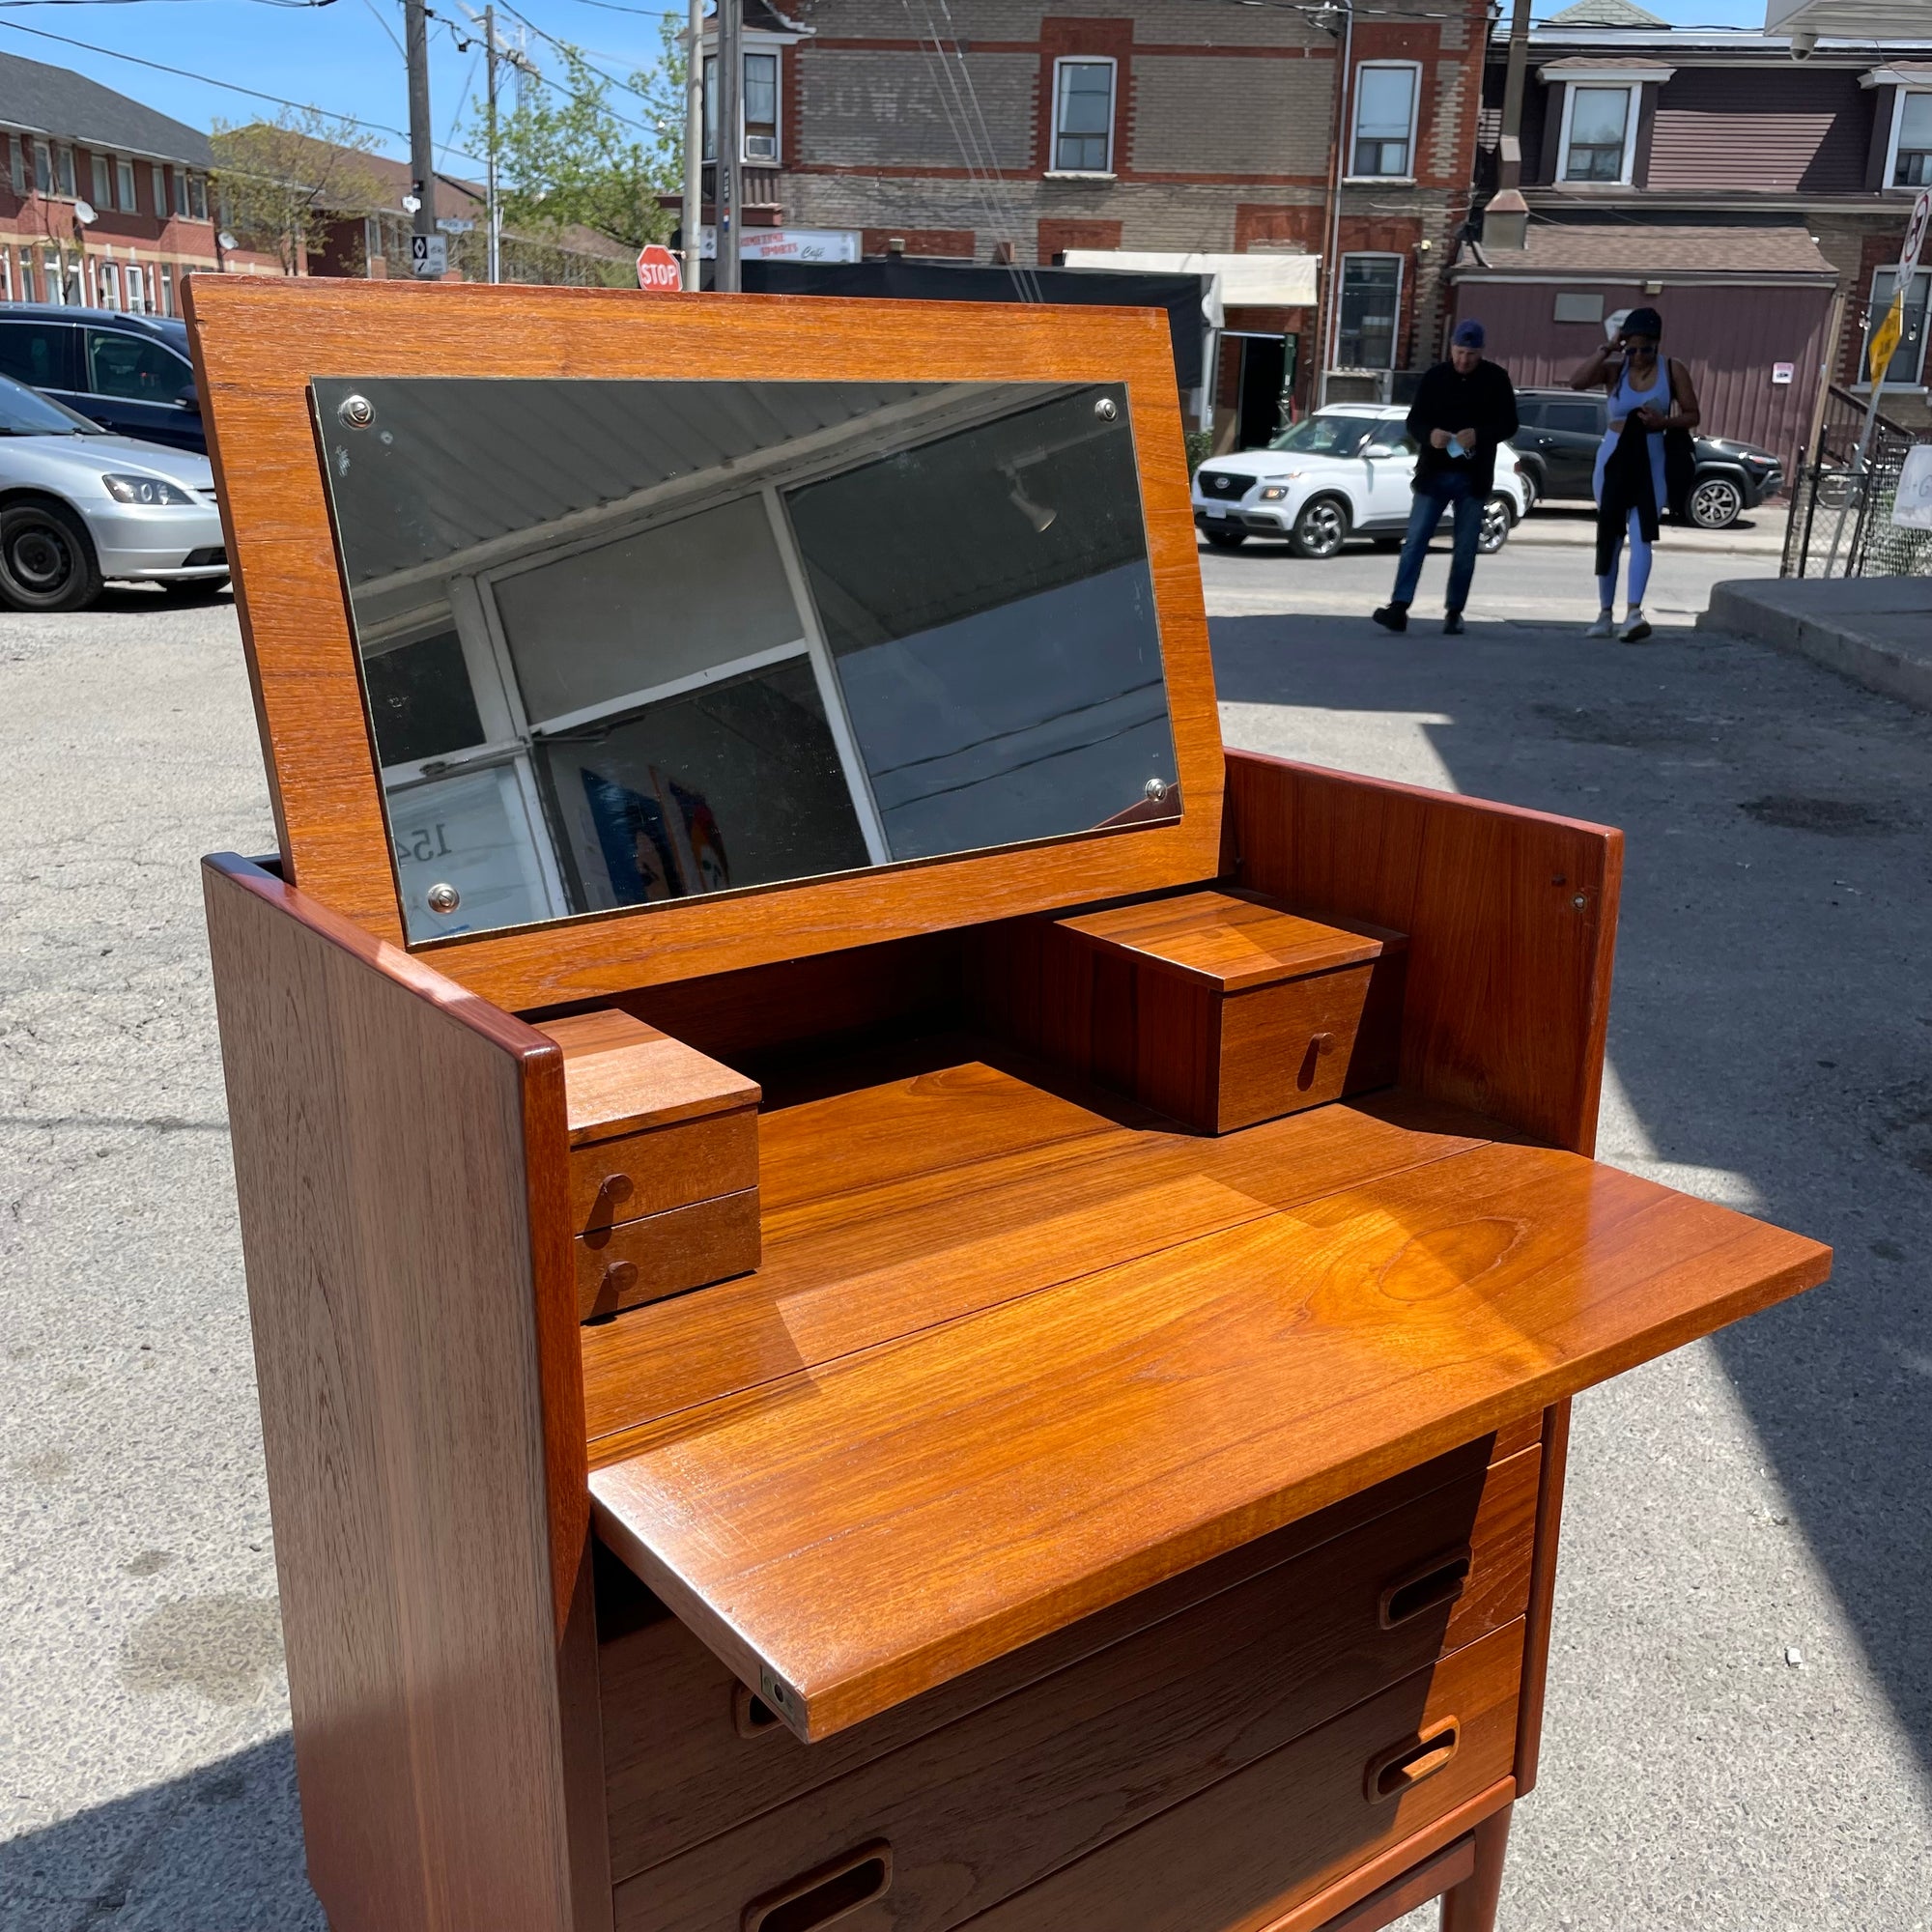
(731, 83)
(423, 148)
(490, 152)
(1510, 146)
(693, 148)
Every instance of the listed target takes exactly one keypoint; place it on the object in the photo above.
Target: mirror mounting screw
(357, 411)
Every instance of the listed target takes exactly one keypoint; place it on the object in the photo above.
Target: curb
(1833, 642)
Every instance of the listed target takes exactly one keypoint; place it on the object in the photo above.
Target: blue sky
(342, 58)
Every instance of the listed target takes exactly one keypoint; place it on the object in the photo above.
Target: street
(1738, 1729)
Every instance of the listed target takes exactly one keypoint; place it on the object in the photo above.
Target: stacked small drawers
(664, 1162)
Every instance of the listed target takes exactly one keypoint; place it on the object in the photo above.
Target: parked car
(129, 373)
(79, 506)
(1562, 430)
(1345, 470)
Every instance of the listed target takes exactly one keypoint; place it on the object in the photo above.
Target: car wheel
(1715, 503)
(1497, 517)
(1320, 529)
(1530, 493)
(1225, 539)
(196, 589)
(47, 562)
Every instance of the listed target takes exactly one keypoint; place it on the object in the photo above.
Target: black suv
(1557, 446)
(130, 372)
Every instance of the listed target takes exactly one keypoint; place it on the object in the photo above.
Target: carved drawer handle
(831, 1893)
(1440, 1581)
(750, 1716)
(1395, 1772)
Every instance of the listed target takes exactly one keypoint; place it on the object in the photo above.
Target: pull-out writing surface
(850, 1536)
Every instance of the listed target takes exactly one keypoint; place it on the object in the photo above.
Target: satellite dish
(226, 240)
(83, 212)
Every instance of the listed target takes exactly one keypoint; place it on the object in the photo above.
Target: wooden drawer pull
(831, 1893)
(750, 1716)
(1440, 1581)
(1392, 1773)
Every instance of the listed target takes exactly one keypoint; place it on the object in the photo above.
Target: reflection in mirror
(631, 642)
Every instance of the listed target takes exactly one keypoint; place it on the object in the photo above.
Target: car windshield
(25, 412)
(1327, 435)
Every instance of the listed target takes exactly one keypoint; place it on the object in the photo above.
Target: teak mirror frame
(258, 345)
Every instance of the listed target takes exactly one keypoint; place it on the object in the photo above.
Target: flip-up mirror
(626, 642)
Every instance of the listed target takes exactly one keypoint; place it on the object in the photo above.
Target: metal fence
(1840, 515)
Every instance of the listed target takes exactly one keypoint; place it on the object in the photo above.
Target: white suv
(1346, 470)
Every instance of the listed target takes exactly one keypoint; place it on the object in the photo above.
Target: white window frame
(1341, 290)
(750, 44)
(1633, 92)
(64, 177)
(1113, 67)
(180, 193)
(1886, 181)
(160, 187)
(1414, 69)
(127, 194)
(103, 186)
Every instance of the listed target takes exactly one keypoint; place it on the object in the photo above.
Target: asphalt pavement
(1740, 1724)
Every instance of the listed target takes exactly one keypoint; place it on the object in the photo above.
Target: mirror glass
(624, 643)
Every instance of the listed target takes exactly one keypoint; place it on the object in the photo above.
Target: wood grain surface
(393, 1135)
(658, 1255)
(864, 1530)
(1511, 917)
(1540, 1622)
(1209, 1684)
(893, 1209)
(1429, 1879)
(621, 1076)
(256, 348)
(1222, 1859)
(613, 1182)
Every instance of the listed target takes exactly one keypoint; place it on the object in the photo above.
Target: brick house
(988, 130)
(103, 202)
(1760, 197)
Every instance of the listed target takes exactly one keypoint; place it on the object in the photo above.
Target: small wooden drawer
(985, 1802)
(1223, 1011)
(664, 1162)
(1252, 1847)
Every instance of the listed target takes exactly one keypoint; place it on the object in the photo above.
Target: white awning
(1241, 281)
(1847, 19)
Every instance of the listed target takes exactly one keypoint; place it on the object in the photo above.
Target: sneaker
(1605, 626)
(1636, 627)
(1392, 616)
(1452, 623)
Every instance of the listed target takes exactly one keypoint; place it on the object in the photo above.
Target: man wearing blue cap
(1464, 410)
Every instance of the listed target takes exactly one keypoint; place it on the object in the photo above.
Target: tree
(567, 155)
(283, 183)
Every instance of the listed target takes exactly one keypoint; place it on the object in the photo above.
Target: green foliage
(570, 153)
(1200, 447)
(283, 183)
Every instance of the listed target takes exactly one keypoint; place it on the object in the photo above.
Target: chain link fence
(1841, 516)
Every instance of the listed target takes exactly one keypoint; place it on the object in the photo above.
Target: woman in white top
(1656, 397)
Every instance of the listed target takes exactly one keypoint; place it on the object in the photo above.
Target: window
(1083, 117)
(180, 193)
(757, 109)
(761, 107)
(52, 282)
(18, 163)
(132, 368)
(1371, 301)
(137, 291)
(197, 196)
(103, 192)
(1912, 163)
(1582, 418)
(63, 166)
(44, 168)
(1384, 121)
(108, 285)
(124, 179)
(36, 352)
(160, 193)
(1907, 367)
(1597, 122)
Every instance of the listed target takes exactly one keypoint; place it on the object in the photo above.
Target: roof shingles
(51, 100)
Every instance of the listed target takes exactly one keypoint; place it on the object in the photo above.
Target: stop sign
(657, 269)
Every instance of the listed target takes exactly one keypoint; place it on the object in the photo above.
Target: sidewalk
(1875, 630)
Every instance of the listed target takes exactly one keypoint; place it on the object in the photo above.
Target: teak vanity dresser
(887, 1290)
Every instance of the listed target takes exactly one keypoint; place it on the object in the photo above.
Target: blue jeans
(1432, 497)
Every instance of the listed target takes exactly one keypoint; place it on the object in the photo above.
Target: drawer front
(1248, 1850)
(1305, 1043)
(664, 1254)
(626, 1179)
(1013, 1790)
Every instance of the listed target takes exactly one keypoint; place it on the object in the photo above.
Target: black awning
(1180, 296)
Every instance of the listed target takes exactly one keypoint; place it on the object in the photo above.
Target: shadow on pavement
(1773, 1013)
(216, 1850)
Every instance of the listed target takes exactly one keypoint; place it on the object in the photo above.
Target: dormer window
(1912, 156)
(1597, 126)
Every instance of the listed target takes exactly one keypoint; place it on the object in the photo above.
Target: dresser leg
(1471, 1907)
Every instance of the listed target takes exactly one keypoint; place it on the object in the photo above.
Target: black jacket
(1484, 400)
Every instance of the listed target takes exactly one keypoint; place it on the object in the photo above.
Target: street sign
(451, 224)
(429, 255)
(1884, 344)
(1915, 236)
(657, 269)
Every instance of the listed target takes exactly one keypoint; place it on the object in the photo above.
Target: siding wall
(1727, 338)
(1762, 130)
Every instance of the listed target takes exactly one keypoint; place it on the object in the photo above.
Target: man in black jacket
(1464, 410)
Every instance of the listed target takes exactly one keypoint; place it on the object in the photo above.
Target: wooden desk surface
(908, 1502)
